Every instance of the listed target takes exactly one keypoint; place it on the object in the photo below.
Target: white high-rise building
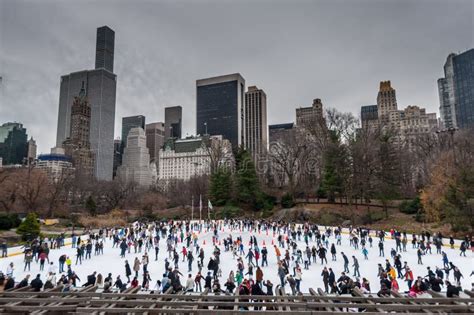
(136, 160)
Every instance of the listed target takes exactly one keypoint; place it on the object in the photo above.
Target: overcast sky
(295, 50)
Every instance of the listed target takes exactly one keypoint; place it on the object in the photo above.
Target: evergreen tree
(220, 189)
(334, 167)
(91, 206)
(246, 181)
(29, 228)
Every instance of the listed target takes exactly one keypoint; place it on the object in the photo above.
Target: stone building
(77, 146)
(181, 159)
(136, 166)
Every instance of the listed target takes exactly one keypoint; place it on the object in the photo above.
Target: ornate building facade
(77, 146)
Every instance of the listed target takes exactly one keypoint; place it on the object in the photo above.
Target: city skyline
(304, 50)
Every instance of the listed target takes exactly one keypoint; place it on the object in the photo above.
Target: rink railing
(134, 301)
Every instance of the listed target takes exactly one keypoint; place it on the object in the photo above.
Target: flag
(209, 204)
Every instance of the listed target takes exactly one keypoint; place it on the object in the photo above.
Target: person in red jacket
(134, 282)
(409, 277)
(394, 283)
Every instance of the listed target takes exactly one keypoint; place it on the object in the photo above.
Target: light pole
(205, 128)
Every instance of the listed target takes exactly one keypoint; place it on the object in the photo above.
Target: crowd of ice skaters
(201, 272)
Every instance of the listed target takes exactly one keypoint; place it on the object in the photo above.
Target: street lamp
(205, 128)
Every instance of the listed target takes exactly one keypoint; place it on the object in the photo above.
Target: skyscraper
(155, 138)
(13, 143)
(311, 120)
(117, 155)
(100, 86)
(78, 145)
(387, 103)
(369, 116)
(128, 123)
(173, 119)
(307, 116)
(31, 150)
(456, 91)
(104, 51)
(136, 165)
(219, 107)
(256, 128)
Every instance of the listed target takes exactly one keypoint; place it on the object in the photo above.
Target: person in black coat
(24, 282)
(256, 290)
(118, 283)
(37, 284)
(230, 286)
(90, 279)
(325, 275)
(10, 284)
(128, 270)
(451, 291)
(208, 281)
(332, 281)
(269, 287)
(436, 284)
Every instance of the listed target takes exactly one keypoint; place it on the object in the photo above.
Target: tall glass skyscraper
(173, 120)
(219, 107)
(100, 86)
(104, 52)
(456, 91)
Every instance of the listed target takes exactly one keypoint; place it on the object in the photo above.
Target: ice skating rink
(111, 262)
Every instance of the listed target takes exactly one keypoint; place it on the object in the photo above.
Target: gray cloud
(295, 50)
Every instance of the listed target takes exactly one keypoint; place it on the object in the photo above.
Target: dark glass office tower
(104, 51)
(173, 118)
(13, 143)
(219, 107)
(131, 122)
(100, 85)
(456, 91)
(464, 88)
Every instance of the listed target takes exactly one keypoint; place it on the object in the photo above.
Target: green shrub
(321, 193)
(229, 212)
(287, 201)
(371, 217)
(29, 228)
(328, 218)
(420, 216)
(9, 221)
(91, 206)
(411, 206)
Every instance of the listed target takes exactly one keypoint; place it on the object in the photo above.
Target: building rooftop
(281, 126)
(220, 79)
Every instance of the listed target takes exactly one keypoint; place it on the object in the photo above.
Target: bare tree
(220, 153)
(8, 189)
(58, 191)
(287, 157)
(33, 187)
(114, 193)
